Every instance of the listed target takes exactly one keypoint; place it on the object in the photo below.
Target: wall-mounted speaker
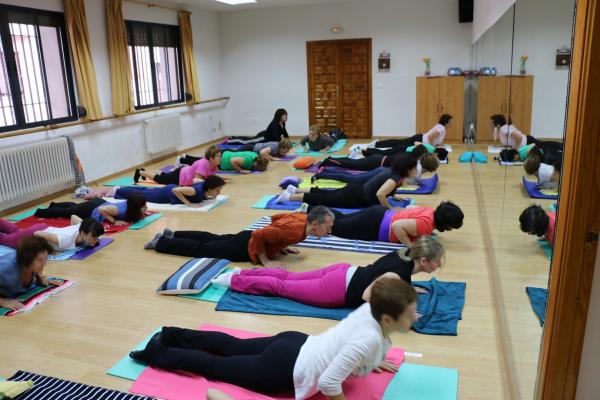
(465, 11)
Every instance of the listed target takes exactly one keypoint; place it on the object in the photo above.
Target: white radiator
(163, 133)
(34, 170)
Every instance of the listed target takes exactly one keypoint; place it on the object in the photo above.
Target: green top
(524, 151)
(247, 156)
(429, 147)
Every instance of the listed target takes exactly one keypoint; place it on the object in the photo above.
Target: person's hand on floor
(276, 264)
(421, 290)
(245, 171)
(12, 304)
(290, 250)
(386, 366)
(120, 223)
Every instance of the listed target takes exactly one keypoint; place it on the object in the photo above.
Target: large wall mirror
(519, 115)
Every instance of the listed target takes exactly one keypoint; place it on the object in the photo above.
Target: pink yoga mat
(172, 386)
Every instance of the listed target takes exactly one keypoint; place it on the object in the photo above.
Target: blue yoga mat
(441, 308)
(538, 298)
(268, 203)
(426, 186)
(533, 190)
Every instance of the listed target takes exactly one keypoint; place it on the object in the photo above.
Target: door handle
(592, 236)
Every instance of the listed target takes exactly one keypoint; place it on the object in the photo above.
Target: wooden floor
(86, 329)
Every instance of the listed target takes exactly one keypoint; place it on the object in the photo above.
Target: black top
(274, 132)
(364, 276)
(372, 186)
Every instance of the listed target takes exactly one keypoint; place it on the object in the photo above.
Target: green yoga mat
(23, 215)
(145, 222)
(122, 181)
(547, 247)
(322, 183)
(127, 367)
(422, 382)
(337, 146)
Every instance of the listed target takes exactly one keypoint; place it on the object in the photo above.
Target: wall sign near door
(384, 62)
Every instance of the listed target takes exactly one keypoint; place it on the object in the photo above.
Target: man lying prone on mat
(327, 287)
(22, 270)
(260, 246)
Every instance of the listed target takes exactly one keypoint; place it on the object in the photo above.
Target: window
(155, 58)
(36, 84)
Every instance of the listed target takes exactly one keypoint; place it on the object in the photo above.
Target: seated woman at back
(23, 269)
(129, 211)
(327, 287)
(274, 132)
(243, 162)
(269, 150)
(317, 141)
(359, 195)
(294, 361)
(185, 175)
(397, 226)
(85, 232)
(548, 175)
(535, 221)
(173, 194)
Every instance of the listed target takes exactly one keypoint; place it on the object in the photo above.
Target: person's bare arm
(385, 189)
(50, 237)
(182, 191)
(11, 304)
(264, 260)
(367, 293)
(433, 135)
(516, 135)
(403, 229)
(236, 163)
(110, 214)
(266, 153)
(75, 220)
(213, 394)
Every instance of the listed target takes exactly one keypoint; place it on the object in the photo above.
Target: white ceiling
(222, 7)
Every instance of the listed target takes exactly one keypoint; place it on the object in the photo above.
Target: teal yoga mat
(127, 367)
(23, 215)
(422, 382)
(337, 146)
(547, 247)
(145, 222)
(122, 181)
(262, 202)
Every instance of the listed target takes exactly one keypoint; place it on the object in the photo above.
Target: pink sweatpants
(11, 235)
(322, 288)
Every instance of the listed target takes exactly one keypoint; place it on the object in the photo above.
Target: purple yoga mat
(313, 169)
(237, 173)
(85, 253)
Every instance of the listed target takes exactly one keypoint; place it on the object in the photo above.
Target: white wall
(264, 57)
(120, 142)
(541, 27)
(588, 385)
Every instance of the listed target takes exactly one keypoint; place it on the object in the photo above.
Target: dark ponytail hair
(448, 216)
(508, 155)
(419, 151)
(91, 227)
(403, 163)
(444, 119)
(498, 119)
(278, 114)
(29, 248)
(213, 182)
(135, 202)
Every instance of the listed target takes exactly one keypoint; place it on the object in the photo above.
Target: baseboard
(51, 196)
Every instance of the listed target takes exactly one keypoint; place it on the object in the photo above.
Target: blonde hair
(315, 129)
(532, 164)
(424, 247)
(285, 144)
(261, 163)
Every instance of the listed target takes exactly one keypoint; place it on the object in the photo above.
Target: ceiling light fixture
(236, 2)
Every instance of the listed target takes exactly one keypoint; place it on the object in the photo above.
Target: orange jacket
(285, 230)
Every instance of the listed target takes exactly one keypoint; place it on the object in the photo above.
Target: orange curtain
(79, 43)
(120, 72)
(189, 61)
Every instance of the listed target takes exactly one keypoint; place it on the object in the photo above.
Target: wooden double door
(439, 95)
(511, 96)
(339, 86)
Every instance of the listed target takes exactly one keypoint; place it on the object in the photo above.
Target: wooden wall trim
(579, 213)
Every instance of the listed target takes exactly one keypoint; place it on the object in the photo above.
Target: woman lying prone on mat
(397, 226)
(121, 213)
(426, 162)
(85, 232)
(185, 175)
(359, 195)
(417, 150)
(22, 270)
(535, 221)
(338, 285)
(260, 246)
(269, 150)
(172, 194)
(294, 361)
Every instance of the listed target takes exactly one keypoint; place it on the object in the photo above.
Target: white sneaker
(291, 189)
(225, 278)
(372, 144)
(283, 197)
(355, 154)
(303, 208)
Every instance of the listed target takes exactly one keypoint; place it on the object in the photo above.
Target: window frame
(12, 71)
(181, 84)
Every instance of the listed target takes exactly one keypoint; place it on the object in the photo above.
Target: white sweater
(355, 346)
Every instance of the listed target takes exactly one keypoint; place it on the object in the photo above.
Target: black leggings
(168, 178)
(263, 365)
(361, 164)
(350, 196)
(399, 142)
(385, 152)
(188, 160)
(67, 209)
(362, 225)
(233, 247)
(260, 138)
